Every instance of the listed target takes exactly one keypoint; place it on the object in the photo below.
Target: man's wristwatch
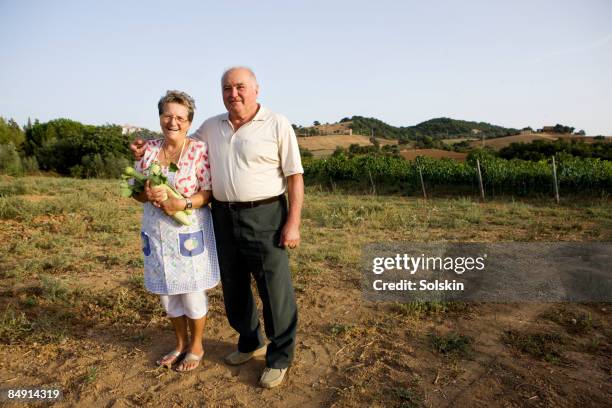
(188, 204)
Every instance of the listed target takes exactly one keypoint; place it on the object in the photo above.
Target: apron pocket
(192, 243)
(146, 245)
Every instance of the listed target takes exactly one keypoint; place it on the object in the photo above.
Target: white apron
(178, 258)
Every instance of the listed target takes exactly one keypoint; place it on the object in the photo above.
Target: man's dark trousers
(248, 244)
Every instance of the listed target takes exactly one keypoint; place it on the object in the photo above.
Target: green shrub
(10, 163)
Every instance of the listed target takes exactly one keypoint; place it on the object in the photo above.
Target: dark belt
(241, 205)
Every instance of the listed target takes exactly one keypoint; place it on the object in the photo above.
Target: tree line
(430, 130)
(543, 149)
(64, 146)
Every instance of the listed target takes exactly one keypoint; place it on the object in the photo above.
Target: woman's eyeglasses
(179, 119)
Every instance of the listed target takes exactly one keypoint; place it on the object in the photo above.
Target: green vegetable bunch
(156, 179)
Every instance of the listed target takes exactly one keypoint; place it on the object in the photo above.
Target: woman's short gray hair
(180, 97)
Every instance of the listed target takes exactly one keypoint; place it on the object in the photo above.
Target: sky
(510, 63)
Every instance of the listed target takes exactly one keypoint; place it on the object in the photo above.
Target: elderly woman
(180, 261)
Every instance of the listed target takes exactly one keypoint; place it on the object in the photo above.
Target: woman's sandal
(189, 358)
(170, 358)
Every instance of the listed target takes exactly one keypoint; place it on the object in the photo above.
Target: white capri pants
(193, 305)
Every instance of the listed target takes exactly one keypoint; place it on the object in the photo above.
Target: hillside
(322, 139)
(500, 142)
(433, 136)
(438, 128)
(325, 145)
(528, 137)
(448, 130)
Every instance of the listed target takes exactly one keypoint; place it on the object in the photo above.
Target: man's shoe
(237, 357)
(272, 377)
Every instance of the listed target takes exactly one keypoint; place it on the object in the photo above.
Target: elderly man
(254, 159)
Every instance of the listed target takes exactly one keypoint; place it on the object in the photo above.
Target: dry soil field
(73, 314)
(325, 145)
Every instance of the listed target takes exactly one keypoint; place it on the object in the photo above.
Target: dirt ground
(83, 324)
(349, 353)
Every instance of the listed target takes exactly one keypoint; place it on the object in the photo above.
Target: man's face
(239, 92)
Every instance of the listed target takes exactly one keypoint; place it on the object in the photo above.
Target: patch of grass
(105, 218)
(451, 344)
(15, 208)
(53, 326)
(135, 263)
(309, 268)
(30, 302)
(407, 397)
(535, 230)
(136, 280)
(54, 289)
(574, 322)
(546, 346)
(473, 215)
(10, 271)
(593, 346)
(109, 259)
(519, 209)
(299, 287)
(45, 245)
(75, 226)
(14, 188)
(462, 203)
(52, 311)
(140, 338)
(91, 375)
(14, 326)
(48, 241)
(338, 330)
(420, 309)
(122, 307)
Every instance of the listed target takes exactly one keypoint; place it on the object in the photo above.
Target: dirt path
(114, 369)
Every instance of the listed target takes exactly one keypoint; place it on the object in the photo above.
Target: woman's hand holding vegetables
(159, 198)
(147, 188)
(155, 195)
(172, 205)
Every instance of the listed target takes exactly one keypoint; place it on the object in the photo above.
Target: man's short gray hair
(180, 97)
(230, 69)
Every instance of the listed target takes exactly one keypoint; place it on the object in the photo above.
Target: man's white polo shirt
(252, 163)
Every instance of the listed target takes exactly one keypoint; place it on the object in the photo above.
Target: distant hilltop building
(128, 129)
(556, 129)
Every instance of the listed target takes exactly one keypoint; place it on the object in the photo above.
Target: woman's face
(174, 121)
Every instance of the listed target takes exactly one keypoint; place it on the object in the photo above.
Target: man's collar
(261, 114)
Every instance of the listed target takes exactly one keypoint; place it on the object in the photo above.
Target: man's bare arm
(290, 235)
